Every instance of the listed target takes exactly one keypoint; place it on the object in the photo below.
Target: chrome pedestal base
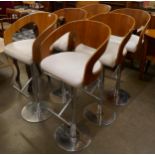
(123, 98)
(68, 143)
(35, 112)
(106, 118)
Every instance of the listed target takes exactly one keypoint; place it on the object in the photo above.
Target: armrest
(39, 40)
(41, 48)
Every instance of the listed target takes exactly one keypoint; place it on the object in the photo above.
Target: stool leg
(70, 138)
(97, 113)
(120, 96)
(37, 110)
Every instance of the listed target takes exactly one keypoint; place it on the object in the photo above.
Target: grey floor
(132, 132)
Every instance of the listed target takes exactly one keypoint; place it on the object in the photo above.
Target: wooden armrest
(45, 40)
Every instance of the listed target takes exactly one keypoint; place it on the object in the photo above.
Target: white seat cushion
(84, 49)
(20, 50)
(62, 43)
(131, 45)
(116, 39)
(110, 55)
(68, 67)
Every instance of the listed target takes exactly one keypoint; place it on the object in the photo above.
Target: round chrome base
(35, 112)
(123, 98)
(68, 143)
(106, 118)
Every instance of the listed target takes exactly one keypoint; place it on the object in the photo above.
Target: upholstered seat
(116, 39)
(73, 63)
(131, 44)
(110, 55)
(62, 43)
(21, 50)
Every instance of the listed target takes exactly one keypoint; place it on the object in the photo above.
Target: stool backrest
(41, 19)
(71, 14)
(142, 19)
(94, 9)
(121, 25)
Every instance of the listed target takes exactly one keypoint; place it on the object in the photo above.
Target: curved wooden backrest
(81, 32)
(71, 14)
(41, 19)
(142, 19)
(121, 25)
(94, 9)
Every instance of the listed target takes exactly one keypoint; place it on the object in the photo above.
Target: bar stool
(75, 69)
(135, 44)
(34, 111)
(114, 55)
(65, 15)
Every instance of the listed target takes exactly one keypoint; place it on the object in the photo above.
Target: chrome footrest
(21, 90)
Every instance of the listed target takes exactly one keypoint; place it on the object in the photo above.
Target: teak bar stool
(135, 43)
(34, 111)
(76, 70)
(115, 52)
(95, 9)
(65, 15)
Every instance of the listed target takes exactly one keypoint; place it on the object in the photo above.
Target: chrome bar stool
(76, 70)
(112, 57)
(115, 53)
(22, 50)
(65, 15)
(135, 43)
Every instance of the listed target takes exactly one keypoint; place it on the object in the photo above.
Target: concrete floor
(132, 131)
